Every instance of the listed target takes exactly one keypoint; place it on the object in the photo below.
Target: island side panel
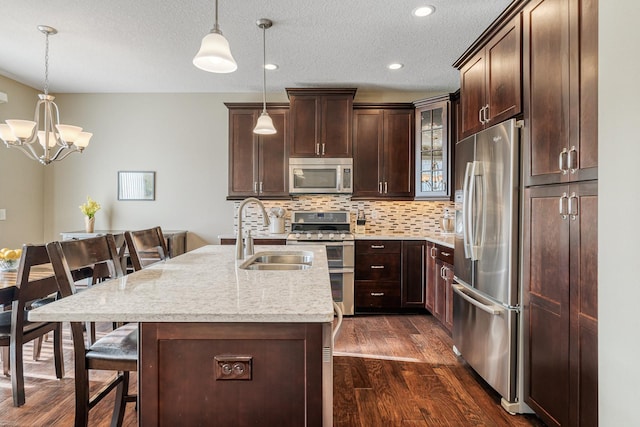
(178, 373)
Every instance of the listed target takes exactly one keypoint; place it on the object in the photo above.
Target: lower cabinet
(389, 275)
(378, 275)
(439, 301)
(269, 374)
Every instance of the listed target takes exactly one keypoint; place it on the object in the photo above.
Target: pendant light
(264, 125)
(44, 139)
(214, 54)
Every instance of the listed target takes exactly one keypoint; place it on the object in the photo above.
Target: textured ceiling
(148, 45)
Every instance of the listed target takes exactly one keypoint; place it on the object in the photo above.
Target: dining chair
(146, 247)
(16, 330)
(117, 350)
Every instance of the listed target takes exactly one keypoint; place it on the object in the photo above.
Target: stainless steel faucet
(240, 245)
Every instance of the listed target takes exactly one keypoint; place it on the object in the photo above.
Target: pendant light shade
(214, 54)
(264, 125)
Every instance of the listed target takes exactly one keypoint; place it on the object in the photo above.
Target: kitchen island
(222, 345)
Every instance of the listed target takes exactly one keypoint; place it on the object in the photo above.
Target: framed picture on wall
(136, 185)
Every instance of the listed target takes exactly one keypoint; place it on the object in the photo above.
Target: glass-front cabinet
(433, 148)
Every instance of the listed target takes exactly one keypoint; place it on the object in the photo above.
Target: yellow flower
(90, 208)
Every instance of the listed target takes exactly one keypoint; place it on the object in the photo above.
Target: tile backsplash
(382, 217)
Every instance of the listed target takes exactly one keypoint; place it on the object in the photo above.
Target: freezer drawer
(484, 333)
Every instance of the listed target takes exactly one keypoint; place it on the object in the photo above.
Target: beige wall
(21, 179)
(183, 137)
(619, 206)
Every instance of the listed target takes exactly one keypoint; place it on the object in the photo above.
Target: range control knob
(331, 235)
(342, 235)
(308, 235)
(319, 234)
(296, 236)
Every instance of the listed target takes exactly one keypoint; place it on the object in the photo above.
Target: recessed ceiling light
(395, 66)
(271, 66)
(423, 11)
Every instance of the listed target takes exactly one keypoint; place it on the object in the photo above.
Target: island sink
(292, 260)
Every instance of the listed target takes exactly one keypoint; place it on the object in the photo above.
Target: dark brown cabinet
(434, 142)
(560, 91)
(439, 268)
(383, 151)
(258, 164)
(320, 122)
(276, 380)
(378, 274)
(413, 273)
(490, 80)
(560, 305)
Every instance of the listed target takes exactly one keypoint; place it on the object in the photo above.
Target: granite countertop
(446, 240)
(436, 237)
(204, 285)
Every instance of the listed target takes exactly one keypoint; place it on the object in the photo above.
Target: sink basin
(284, 259)
(279, 261)
(260, 266)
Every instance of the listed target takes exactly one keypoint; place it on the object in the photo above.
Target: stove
(333, 230)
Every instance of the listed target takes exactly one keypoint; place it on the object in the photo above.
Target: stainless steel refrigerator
(486, 300)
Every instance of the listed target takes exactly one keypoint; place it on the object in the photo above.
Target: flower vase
(88, 224)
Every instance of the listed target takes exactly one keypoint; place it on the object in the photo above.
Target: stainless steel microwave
(320, 175)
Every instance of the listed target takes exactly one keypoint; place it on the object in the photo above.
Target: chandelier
(45, 139)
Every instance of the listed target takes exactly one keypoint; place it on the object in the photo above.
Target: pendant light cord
(216, 28)
(264, 70)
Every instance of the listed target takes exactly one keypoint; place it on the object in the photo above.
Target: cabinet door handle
(434, 252)
(260, 187)
(255, 186)
(377, 294)
(323, 148)
(442, 272)
(317, 149)
(377, 267)
(377, 246)
(572, 160)
(562, 203)
(380, 187)
(386, 187)
(562, 161)
(486, 114)
(572, 206)
(480, 119)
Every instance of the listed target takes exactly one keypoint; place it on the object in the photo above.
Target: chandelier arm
(53, 119)
(71, 149)
(28, 151)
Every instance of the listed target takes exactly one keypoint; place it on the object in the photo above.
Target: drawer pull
(445, 253)
(377, 246)
(377, 294)
(377, 266)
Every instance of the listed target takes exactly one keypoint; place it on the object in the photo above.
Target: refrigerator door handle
(473, 244)
(466, 208)
(458, 289)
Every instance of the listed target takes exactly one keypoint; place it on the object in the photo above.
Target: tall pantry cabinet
(560, 309)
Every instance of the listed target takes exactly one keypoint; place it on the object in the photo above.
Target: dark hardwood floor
(389, 370)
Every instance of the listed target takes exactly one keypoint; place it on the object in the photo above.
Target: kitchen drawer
(378, 267)
(373, 294)
(445, 254)
(378, 246)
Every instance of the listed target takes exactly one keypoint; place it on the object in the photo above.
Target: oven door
(339, 254)
(342, 289)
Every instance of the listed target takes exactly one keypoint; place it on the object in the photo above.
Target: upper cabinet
(560, 89)
(383, 151)
(434, 139)
(320, 123)
(258, 164)
(490, 79)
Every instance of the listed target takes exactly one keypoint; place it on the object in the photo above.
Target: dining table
(8, 280)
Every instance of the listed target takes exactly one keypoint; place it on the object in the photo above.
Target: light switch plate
(3, 214)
